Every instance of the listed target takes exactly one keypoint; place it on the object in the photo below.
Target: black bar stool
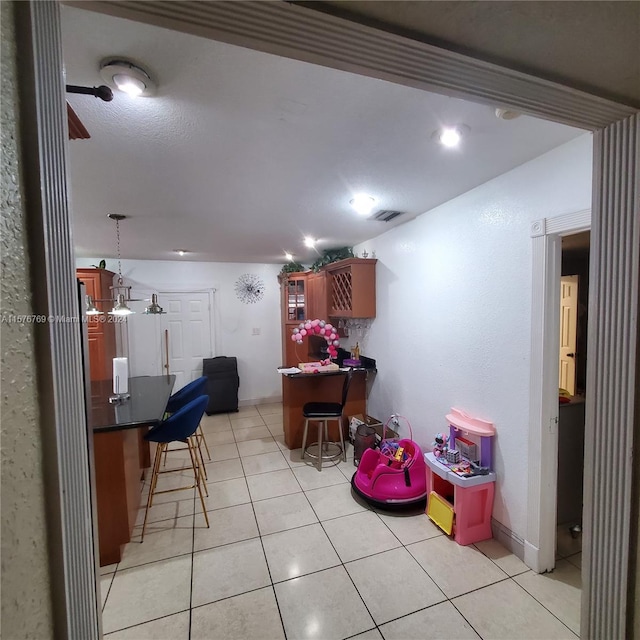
(322, 412)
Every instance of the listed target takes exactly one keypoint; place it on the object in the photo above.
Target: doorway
(572, 394)
(547, 237)
(614, 170)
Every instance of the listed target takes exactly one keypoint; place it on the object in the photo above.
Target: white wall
(233, 321)
(453, 310)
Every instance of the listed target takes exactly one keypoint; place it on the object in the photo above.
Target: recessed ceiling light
(362, 203)
(127, 77)
(288, 257)
(450, 137)
(180, 252)
(309, 242)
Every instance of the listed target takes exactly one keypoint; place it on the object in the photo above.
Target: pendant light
(120, 308)
(91, 309)
(154, 308)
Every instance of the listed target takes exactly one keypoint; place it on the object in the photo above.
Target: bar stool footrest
(312, 451)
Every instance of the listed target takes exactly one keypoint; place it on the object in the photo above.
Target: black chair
(181, 426)
(322, 412)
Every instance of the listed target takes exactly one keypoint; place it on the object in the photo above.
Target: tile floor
(292, 554)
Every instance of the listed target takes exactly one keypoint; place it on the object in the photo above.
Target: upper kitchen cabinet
(351, 287)
(101, 332)
(294, 298)
(317, 295)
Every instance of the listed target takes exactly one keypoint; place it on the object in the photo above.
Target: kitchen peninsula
(121, 455)
(300, 388)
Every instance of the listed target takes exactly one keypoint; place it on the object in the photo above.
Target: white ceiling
(240, 154)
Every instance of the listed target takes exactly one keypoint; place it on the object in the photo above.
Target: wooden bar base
(300, 389)
(118, 489)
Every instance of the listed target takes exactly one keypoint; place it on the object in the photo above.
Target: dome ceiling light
(127, 77)
(507, 114)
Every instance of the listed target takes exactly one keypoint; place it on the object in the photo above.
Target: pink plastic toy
(440, 445)
(385, 481)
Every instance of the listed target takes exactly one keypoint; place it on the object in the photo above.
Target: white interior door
(187, 324)
(568, 332)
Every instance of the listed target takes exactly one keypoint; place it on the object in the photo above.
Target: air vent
(386, 215)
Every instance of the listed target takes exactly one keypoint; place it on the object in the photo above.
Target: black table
(145, 407)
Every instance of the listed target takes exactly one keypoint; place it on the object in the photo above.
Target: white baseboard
(254, 401)
(508, 539)
(532, 557)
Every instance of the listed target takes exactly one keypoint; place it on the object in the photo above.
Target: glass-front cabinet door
(295, 299)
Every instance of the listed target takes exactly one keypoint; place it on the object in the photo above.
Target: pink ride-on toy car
(386, 481)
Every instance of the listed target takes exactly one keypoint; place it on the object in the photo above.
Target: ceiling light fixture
(127, 77)
(91, 309)
(507, 114)
(363, 203)
(154, 309)
(121, 292)
(451, 137)
(309, 242)
(288, 256)
(180, 252)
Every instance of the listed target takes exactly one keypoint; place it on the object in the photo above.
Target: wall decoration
(249, 288)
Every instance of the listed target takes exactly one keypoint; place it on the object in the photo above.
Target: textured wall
(26, 606)
(453, 324)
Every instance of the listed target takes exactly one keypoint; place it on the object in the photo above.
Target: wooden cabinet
(351, 286)
(317, 295)
(294, 311)
(295, 298)
(100, 332)
(343, 289)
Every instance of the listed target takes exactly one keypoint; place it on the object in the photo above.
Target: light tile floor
(291, 553)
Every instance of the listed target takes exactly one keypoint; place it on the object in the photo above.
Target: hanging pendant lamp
(154, 308)
(120, 308)
(91, 309)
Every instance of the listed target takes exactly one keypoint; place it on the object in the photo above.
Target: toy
(440, 445)
(394, 476)
(452, 456)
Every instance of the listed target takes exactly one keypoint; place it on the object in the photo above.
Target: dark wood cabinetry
(101, 333)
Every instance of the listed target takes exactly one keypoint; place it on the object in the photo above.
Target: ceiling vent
(386, 215)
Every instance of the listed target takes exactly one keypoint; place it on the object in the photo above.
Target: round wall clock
(249, 288)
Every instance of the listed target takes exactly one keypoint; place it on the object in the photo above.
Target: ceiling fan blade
(77, 131)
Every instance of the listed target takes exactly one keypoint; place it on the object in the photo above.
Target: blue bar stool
(322, 412)
(189, 392)
(181, 426)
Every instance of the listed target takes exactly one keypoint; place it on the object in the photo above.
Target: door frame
(298, 31)
(546, 237)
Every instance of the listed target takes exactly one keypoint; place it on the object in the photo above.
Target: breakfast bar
(300, 388)
(121, 455)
